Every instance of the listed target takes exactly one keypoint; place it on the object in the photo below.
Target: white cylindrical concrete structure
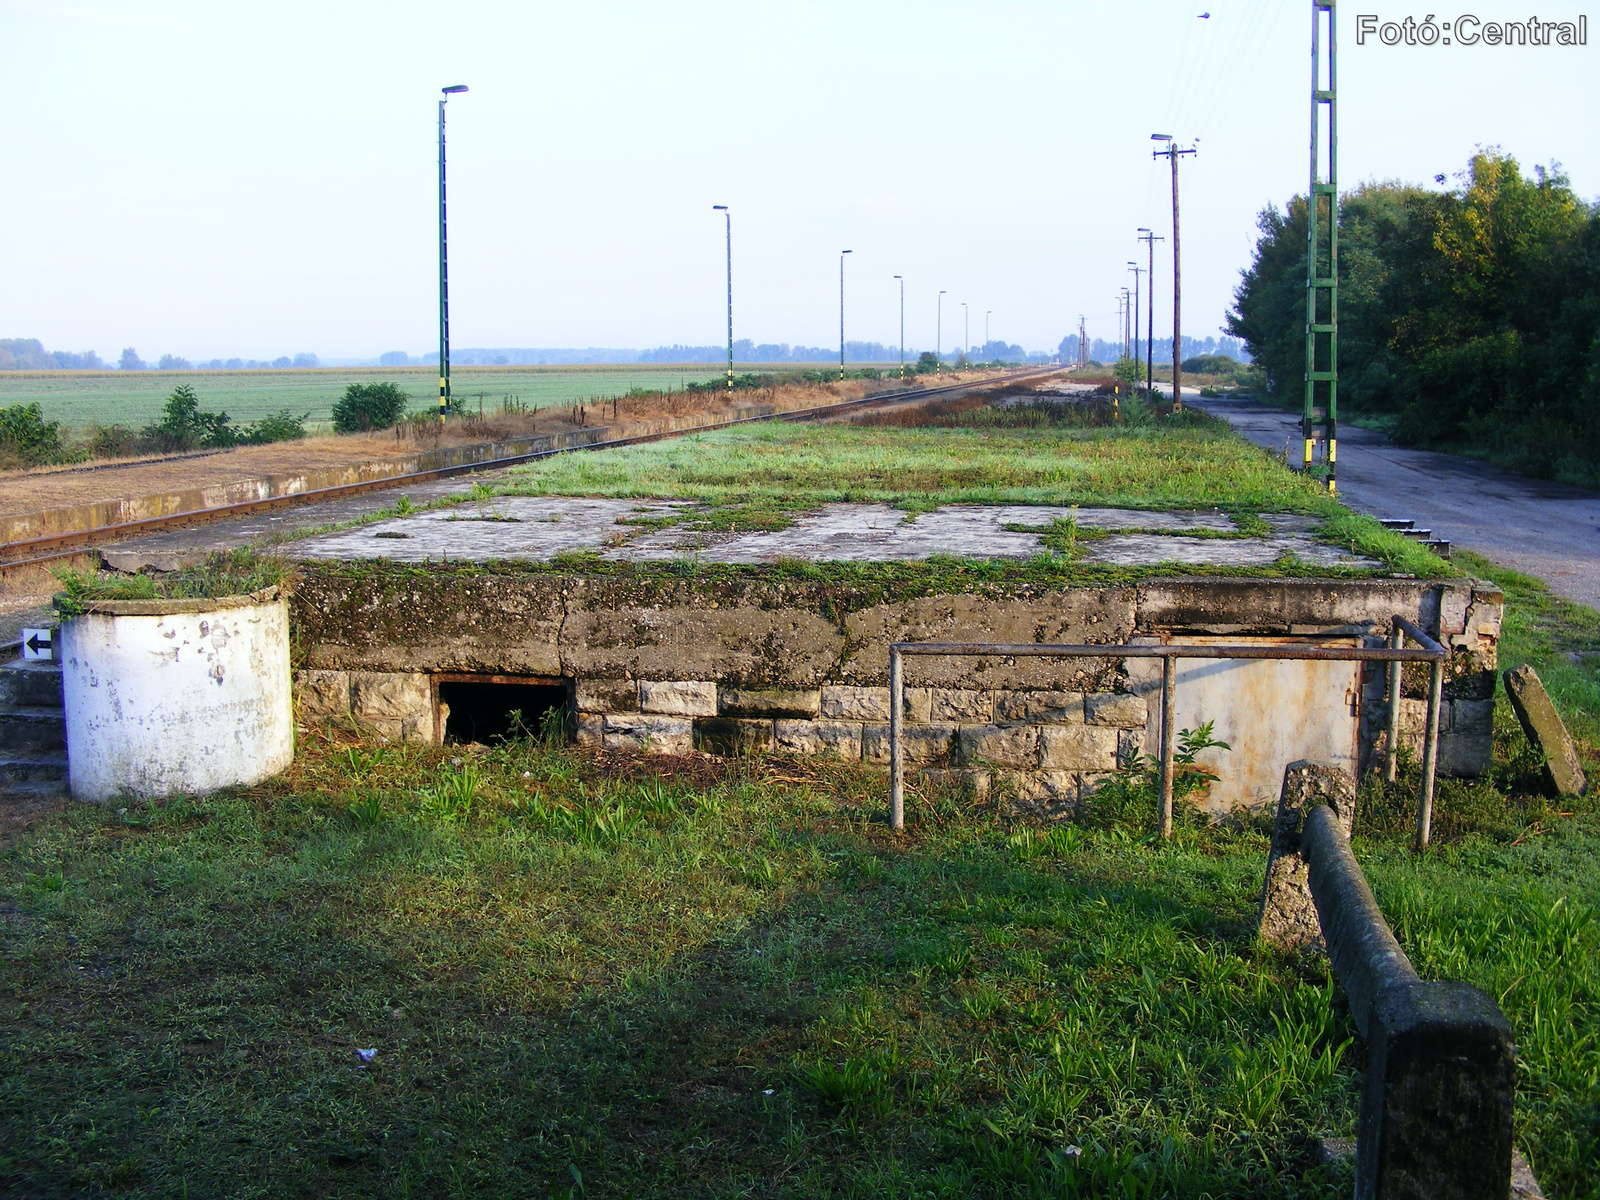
(167, 697)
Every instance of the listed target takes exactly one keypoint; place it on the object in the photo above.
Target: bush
(1209, 364)
(927, 363)
(183, 426)
(368, 406)
(280, 426)
(27, 439)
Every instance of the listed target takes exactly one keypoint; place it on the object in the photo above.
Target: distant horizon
(29, 354)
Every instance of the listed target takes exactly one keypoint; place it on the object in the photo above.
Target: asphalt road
(1544, 529)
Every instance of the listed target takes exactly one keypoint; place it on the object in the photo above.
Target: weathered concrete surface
(541, 527)
(1562, 771)
(808, 661)
(1271, 713)
(1288, 916)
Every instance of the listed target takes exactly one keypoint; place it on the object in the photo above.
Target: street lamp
(728, 221)
(842, 253)
(1150, 240)
(902, 280)
(1137, 271)
(444, 269)
(938, 330)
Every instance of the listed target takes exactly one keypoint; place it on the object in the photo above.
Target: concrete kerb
(1440, 1081)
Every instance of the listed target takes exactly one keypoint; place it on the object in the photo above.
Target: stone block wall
(750, 664)
(1046, 746)
(396, 705)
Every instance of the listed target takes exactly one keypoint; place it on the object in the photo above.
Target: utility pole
(1322, 252)
(1174, 154)
(986, 329)
(1127, 323)
(1137, 271)
(1083, 346)
(728, 220)
(938, 330)
(966, 331)
(902, 280)
(842, 253)
(1150, 240)
(444, 267)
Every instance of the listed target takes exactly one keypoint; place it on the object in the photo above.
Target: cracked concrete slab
(541, 527)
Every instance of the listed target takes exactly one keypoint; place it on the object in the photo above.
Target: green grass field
(134, 398)
(582, 979)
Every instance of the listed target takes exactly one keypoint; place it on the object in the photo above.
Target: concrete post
(1440, 1084)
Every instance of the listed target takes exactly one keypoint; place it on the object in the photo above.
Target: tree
(1470, 317)
(130, 360)
(171, 362)
(394, 358)
(305, 360)
(183, 426)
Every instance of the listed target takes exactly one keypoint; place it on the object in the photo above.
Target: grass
(760, 477)
(134, 398)
(611, 976)
(236, 572)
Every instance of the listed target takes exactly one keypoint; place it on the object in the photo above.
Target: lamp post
(1150, 240)
(902, 280)
(1137, 271)
(986, 329)
(444, 268)
(842, 253)
(728, 222)
(938, 330)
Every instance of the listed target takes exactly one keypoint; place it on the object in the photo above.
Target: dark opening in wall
(491, 708)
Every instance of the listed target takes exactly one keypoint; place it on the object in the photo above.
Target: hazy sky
(214, 179)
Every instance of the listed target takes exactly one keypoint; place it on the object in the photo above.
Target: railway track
(41, 551)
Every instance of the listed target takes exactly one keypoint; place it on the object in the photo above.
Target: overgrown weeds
(238, 572)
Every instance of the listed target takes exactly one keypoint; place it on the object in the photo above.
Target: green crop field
(134, 398)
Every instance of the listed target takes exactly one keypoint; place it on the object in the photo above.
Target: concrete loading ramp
(619, 530)
(735, 659)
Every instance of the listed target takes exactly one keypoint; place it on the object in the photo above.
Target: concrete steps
(33, 732)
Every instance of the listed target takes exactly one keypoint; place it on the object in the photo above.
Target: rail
(1396, 654)
(55, 546)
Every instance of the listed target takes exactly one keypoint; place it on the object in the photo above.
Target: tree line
(1469, 316)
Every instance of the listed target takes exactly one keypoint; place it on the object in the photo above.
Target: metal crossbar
(1396, 654)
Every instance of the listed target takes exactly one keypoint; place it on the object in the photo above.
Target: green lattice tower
(1322, 247)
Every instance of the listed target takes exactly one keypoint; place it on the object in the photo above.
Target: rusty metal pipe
(897, 768)
(1169, 720)
(1430, 757)
(1281, 653)
(1397, 639)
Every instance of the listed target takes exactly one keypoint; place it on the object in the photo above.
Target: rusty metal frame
(1396, 654)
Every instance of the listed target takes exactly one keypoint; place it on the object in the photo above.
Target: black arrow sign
(33, 644)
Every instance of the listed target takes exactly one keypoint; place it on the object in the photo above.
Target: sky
(218, 180)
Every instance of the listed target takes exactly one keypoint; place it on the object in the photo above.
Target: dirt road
(1540, 528)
